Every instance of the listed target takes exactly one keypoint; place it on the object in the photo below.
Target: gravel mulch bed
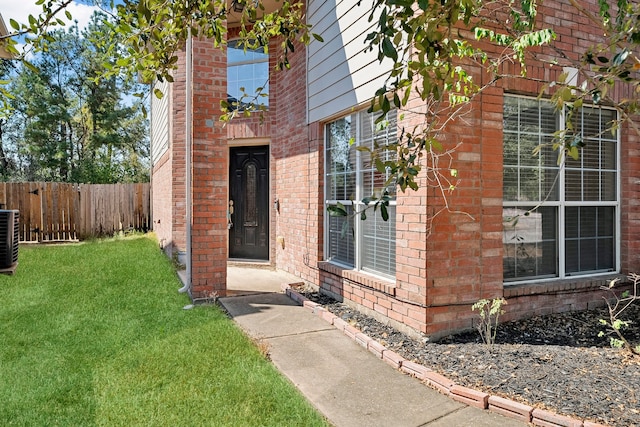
(554, 362)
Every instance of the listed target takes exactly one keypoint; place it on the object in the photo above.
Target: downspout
(188, 166)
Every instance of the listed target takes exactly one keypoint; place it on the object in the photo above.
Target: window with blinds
(369, 244)
(558, 221)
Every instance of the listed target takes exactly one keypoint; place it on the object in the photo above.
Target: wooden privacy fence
(52, 211)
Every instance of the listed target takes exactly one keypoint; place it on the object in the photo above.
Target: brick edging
(444, 385)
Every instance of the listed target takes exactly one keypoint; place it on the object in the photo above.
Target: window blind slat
(531, 237)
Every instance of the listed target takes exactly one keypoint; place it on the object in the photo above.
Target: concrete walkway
(344, 381)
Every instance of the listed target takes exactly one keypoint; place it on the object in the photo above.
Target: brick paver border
(479, 399)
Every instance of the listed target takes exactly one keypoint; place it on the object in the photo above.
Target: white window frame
(356, 203)
(561, 204)
(231, 44)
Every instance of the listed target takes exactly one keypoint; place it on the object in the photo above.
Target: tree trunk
(4, 161)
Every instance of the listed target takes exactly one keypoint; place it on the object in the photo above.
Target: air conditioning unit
(9, 238)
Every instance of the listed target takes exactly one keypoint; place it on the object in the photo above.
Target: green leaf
(620, 57)
(565, 94)
(562, 78)
(383, 212)
(389, 49)
(396, 100)
(337, 210)
(30, 66)
(343, 231)
(380, 167)
(386, 104)
(574, 152)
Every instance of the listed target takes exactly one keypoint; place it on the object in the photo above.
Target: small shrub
(211, 297)
(263, 347)
(617, 304)
(489, 312)
(175, 259)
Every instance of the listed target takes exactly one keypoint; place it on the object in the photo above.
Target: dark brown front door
(249, 192)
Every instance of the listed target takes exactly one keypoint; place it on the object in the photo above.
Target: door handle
(229, 213)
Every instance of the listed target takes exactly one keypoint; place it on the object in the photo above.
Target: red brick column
(409, 306)
(464, 244)
(630, 201)
(177, 148)
(209, 172)
(491, 172)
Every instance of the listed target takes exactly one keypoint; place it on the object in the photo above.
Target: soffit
(233, 18)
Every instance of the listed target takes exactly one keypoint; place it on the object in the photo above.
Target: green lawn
(95, 334)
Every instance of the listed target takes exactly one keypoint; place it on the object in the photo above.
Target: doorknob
(229, 213)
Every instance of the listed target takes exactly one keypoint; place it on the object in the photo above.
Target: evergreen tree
(70, 123)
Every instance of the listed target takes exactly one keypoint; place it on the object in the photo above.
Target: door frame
(254, 142)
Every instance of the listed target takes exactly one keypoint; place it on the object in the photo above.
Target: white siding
(341, 75)
(159, 122)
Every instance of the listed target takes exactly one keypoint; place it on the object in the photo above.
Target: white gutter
(188, 168)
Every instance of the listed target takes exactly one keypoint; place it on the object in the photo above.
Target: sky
(21, 9)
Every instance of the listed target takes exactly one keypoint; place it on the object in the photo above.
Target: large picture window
(558, 221)
(369, 244)
(247, 70)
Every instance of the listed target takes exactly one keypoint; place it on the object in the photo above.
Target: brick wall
(210, 172)
(575, 34)
(168, 174)
(161, 200)
(446, 264)
(445, 259)
(630, 202)
(297, 166)
(177, 146)
(464, 247)
(546, 298)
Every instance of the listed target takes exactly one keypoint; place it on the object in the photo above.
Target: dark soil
(554, 362)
